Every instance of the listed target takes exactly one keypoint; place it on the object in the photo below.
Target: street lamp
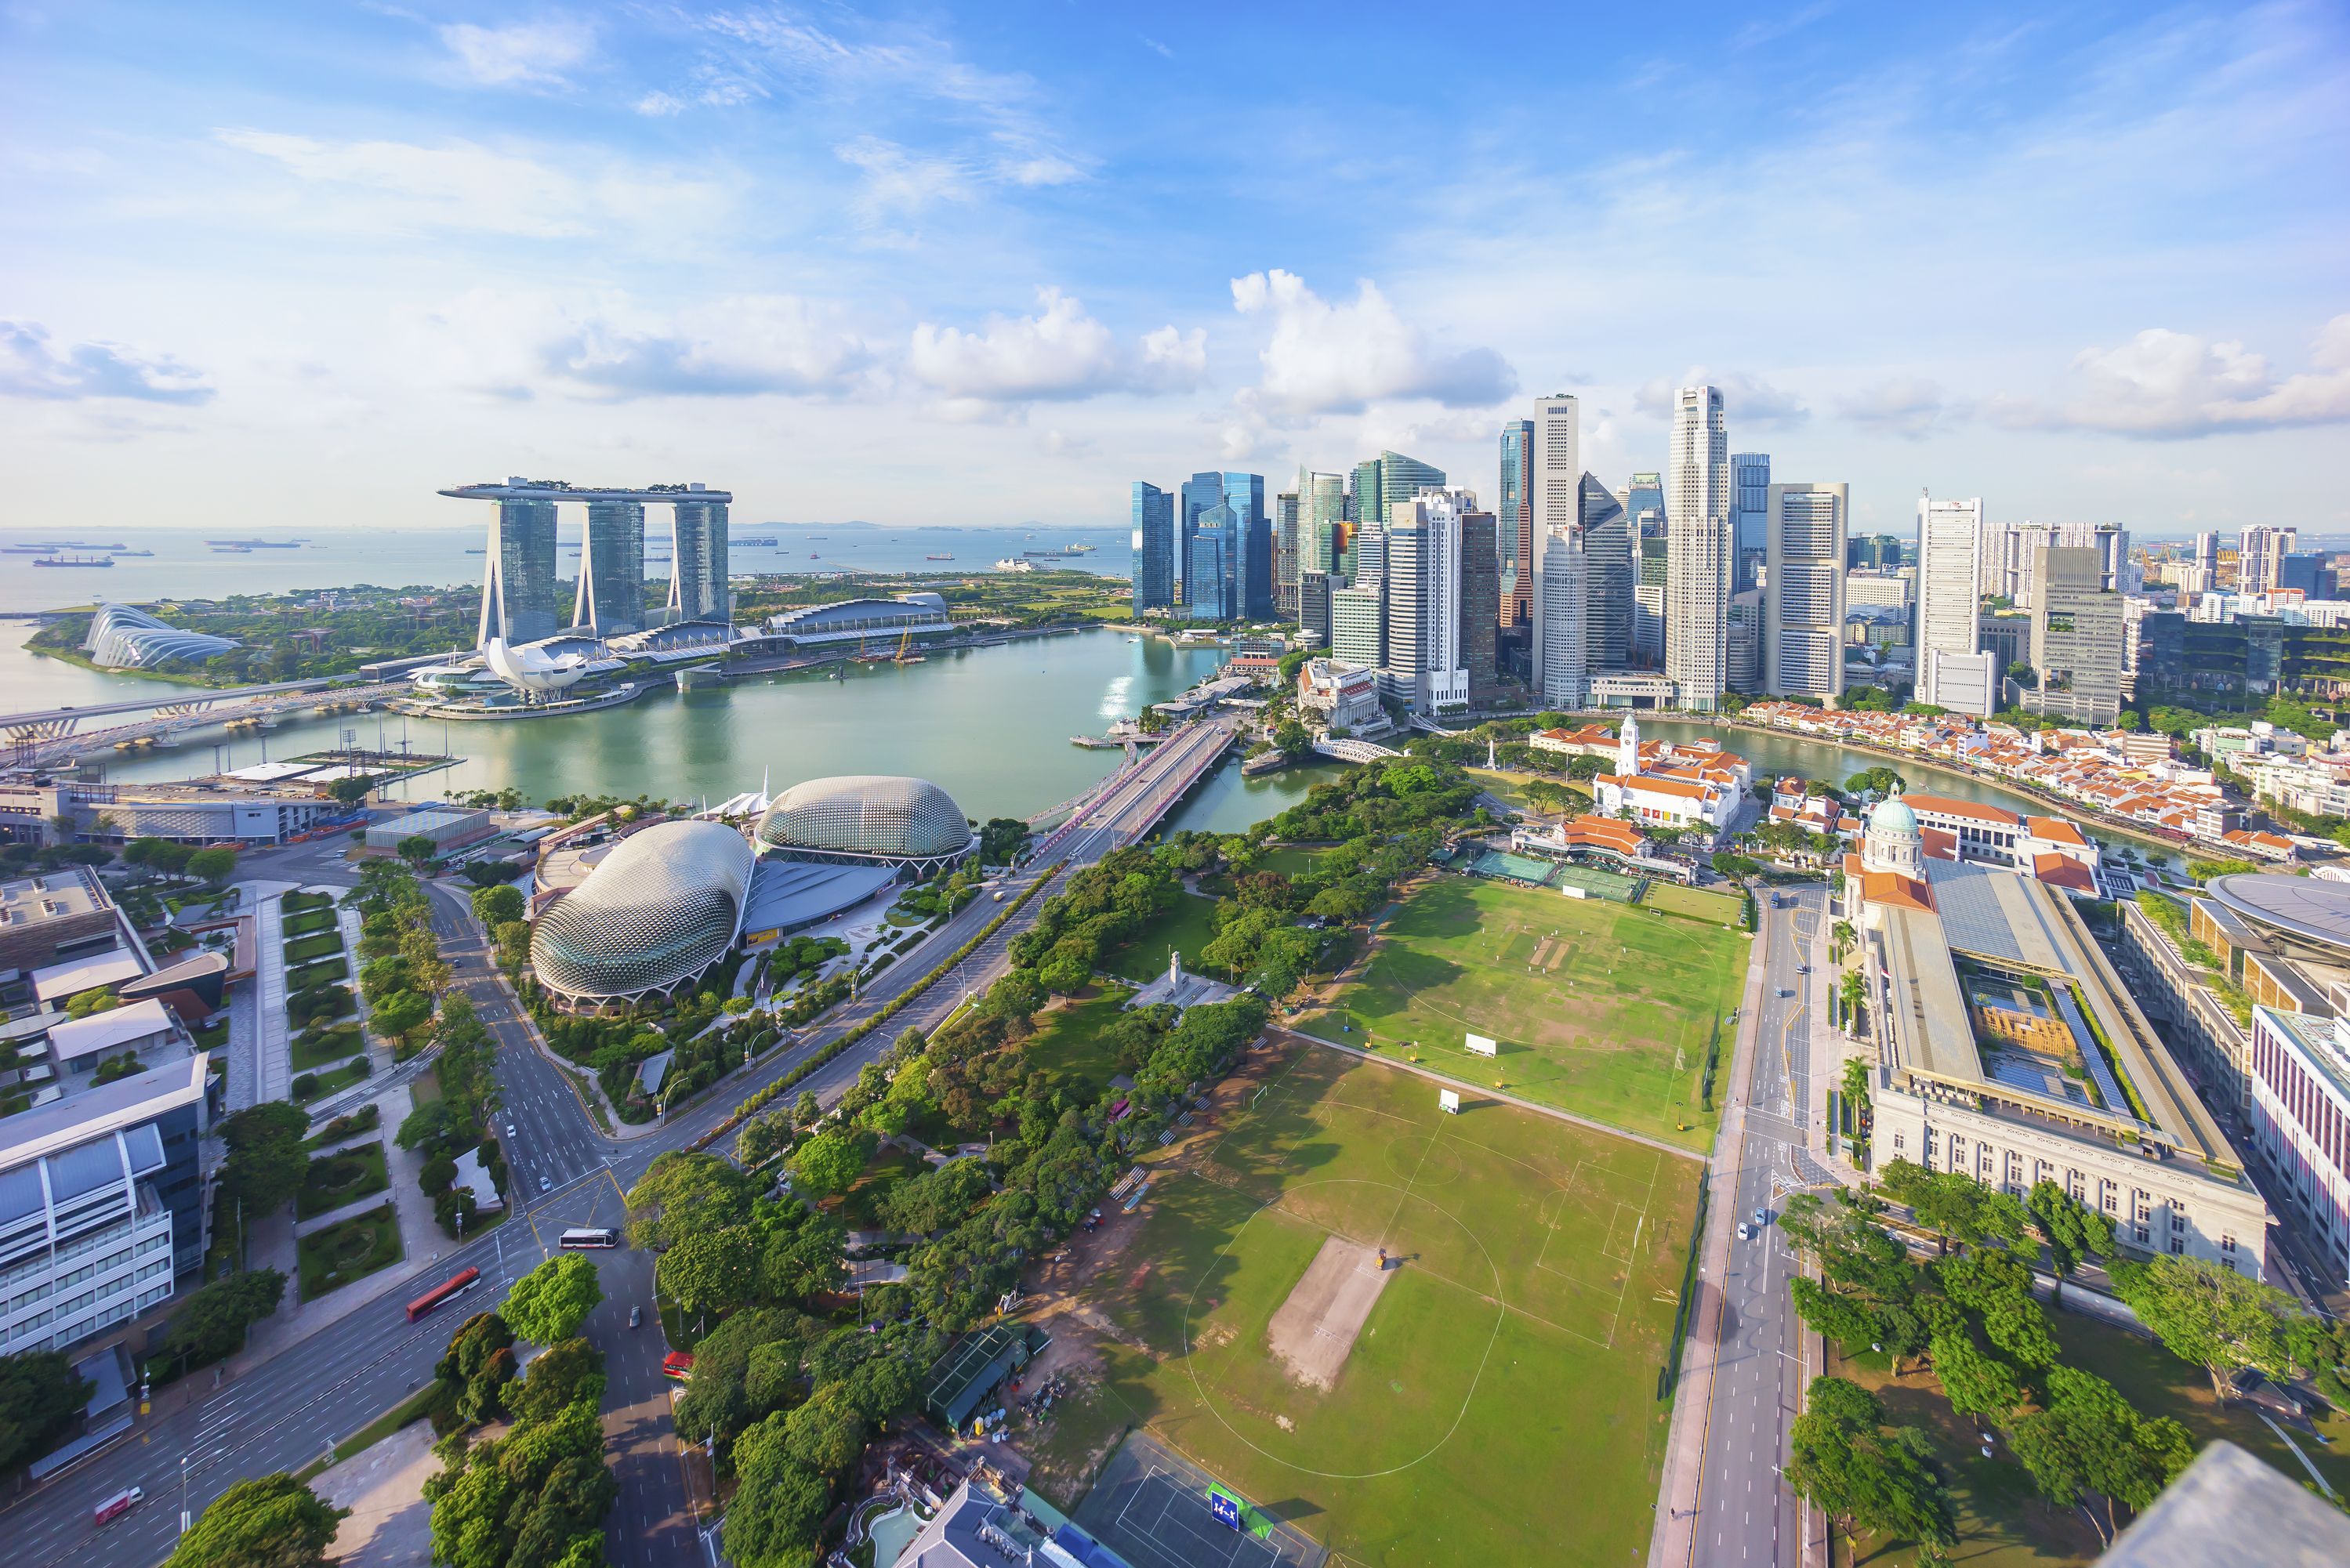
(183, 1493)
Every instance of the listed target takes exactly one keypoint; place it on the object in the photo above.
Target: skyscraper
(698, 587)
(1561, 631)
(1645, 493)
(2206, 564)
(1358, 623)
(1314, 590)
(1287, 559)
(1424, 668)
(519, 584)
(1950, 673)
(1802, 623)
(1749, 485)
(1554, 503)
(1481, 593)
(2007, 553)
(1648, 563)
(1743, 671)
(1363, 494)
(1700, 563)
(1321, 519)
(611, 592)
(1250, 561)
(1154, 548)
(2076, 638)
(1517, 518)
(1195, 495)
(1610, 574)
(1211, 567)
(2260, 558)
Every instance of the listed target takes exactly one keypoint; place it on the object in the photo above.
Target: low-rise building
(1698, 788)
(447, 827)
(2009, 1049)
(198, 813)
(1347, 696)
(2301, 1121)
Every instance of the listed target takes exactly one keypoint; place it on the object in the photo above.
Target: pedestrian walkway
(275, 1055)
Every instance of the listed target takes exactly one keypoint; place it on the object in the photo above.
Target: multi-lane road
(566, 1171)
(1746, 1516)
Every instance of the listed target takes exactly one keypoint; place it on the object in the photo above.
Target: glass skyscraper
(1517, 523)
(1211, 567)
(1195, 495)
(698, 589)
(518, 591)
(611, 594)
(1154, 547)
(1749, 512)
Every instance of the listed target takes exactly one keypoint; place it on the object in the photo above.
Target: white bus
(589, 1236)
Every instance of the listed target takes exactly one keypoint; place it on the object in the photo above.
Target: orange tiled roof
(2055, 829)
(1945, 805)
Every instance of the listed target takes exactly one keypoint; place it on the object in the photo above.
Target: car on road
(1802, 969)
(510, 1132)
(1784, 991)
(1762, 1218)
(1745, 1232)
(635, 1316)
(547, 1184)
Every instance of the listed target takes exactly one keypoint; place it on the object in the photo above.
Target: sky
(308, 263)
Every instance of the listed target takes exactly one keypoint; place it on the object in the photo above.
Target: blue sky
(308, 262)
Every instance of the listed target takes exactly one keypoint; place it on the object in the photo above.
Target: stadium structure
(122, 637)
(666, 904)
(911, 824)
(865, 621)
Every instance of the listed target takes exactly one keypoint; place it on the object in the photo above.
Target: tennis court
(1151, 1507)
(1596, 883)
(1502, 866)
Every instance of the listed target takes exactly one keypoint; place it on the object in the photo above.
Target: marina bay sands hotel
(521, 594)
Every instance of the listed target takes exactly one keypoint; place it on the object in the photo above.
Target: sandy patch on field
(1314, 1332)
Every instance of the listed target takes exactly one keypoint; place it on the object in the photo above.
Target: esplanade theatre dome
(867, 819)
(661, 907)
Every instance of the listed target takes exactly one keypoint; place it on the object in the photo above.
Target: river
(990, 725)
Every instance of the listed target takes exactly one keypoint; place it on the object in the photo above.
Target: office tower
(1743, 670)
(1610, 574)
(1211, 568)
(1154, 548)
(1645, 493)
(1888, 589)
(1314, 605)
(2076, 638)
(1517, 516)
(1194, 495)
(2305, 573)
(1876, 552)
(2006, 636)
(1950, 545)
(1424, 667)
(1563, 601)
(1401, 478)
(1699, 560)
(1285, 557)
(1803, 604)
(1321, 520)
(1363, 495)
(2206, 579)
(2260, 558)
(1481, 594)
(1250, 549)
(611, 594)
(2007, 553)
(1648, 563)
(518, 584)
(1554, 501)
(1358, 623)
(698, 584)
(1750, 487)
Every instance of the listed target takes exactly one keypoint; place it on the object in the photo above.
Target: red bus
(678, 1365)
(463, 1278)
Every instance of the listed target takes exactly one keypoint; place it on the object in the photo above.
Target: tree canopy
(549, 1303)
(270, 1522)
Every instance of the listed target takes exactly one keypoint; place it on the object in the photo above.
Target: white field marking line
(1624, 1290)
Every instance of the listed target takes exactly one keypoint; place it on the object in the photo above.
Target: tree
(352, 790)
(685, 1191)
(214, 864)
(779, 1503)
(550, 1301)
(533, 1499)
(829, 1161)
(2209, 1316)
(2075, 1231)
(475, 1368)
(416, 849)
(270, 1522)
(494, 906)
(710, 1270)
(1977, 1384)
(210, 1324)
(826, 1433)
(565, 1372)
(40, 1394)
(400, 1013)
(2088, 1440)
(1863, 1477)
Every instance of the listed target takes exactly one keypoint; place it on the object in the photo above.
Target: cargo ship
(73, 560)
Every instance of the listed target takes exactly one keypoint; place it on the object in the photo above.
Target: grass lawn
(1291, 860)
(309, 922)
(1705, 904)
(1512, 786)
(302, 950)
(339, 1043)
(332, 1082)
(2002, 1521)
(1068, 1041)
(295, 903)
(1189, 927)
(860, 1205)
(213, 1037)
(1503, 1400)
(321, 972)
(345, 1252)
(1603, 1009)
(339, 1178)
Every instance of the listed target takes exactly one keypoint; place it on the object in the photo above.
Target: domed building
(659, 910)
(863, 819)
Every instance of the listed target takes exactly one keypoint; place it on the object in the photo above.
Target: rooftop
(116, 1029)
(49, 896)
(2310, 908)
(87, 973)
(520, 489)
(2228, 1507)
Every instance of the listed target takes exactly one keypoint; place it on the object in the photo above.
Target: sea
(178, 564)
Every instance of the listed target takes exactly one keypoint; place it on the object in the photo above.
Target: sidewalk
(275, 1057)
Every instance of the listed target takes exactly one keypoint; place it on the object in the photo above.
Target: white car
(1745, 1232)
(547, 1184)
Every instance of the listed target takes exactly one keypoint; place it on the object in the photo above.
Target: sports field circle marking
(1191, 1361)
(1410, 1158)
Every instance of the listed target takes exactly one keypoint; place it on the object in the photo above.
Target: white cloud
(527, 54)
(1746, 400)
(659, 105)
(377, 185)
(1155, 47)
(1340, 359)
(28, 368)
(607, 347)
(1060, 354)
(1909, 406)
(2166, 385)
(899, 182)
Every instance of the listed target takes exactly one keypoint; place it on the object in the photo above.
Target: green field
(1699, 903)
(1601, 1009)
(1068, 1041)
(1502, 1401)
(1189, 926)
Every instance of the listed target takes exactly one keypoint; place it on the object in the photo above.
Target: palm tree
(1855, 991)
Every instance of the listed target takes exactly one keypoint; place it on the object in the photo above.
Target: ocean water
(183, 566)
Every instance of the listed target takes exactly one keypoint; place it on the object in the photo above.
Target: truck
(115, 1507)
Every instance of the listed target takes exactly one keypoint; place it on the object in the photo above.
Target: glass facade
(698, 589)
(1286, 560)
(1517, 523)
(1401, 478)
(1608, 574)
(1196, 495)
(519, 601)
(1211, 567)
(1750, 511)
(611, 596)
(1154, 547)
